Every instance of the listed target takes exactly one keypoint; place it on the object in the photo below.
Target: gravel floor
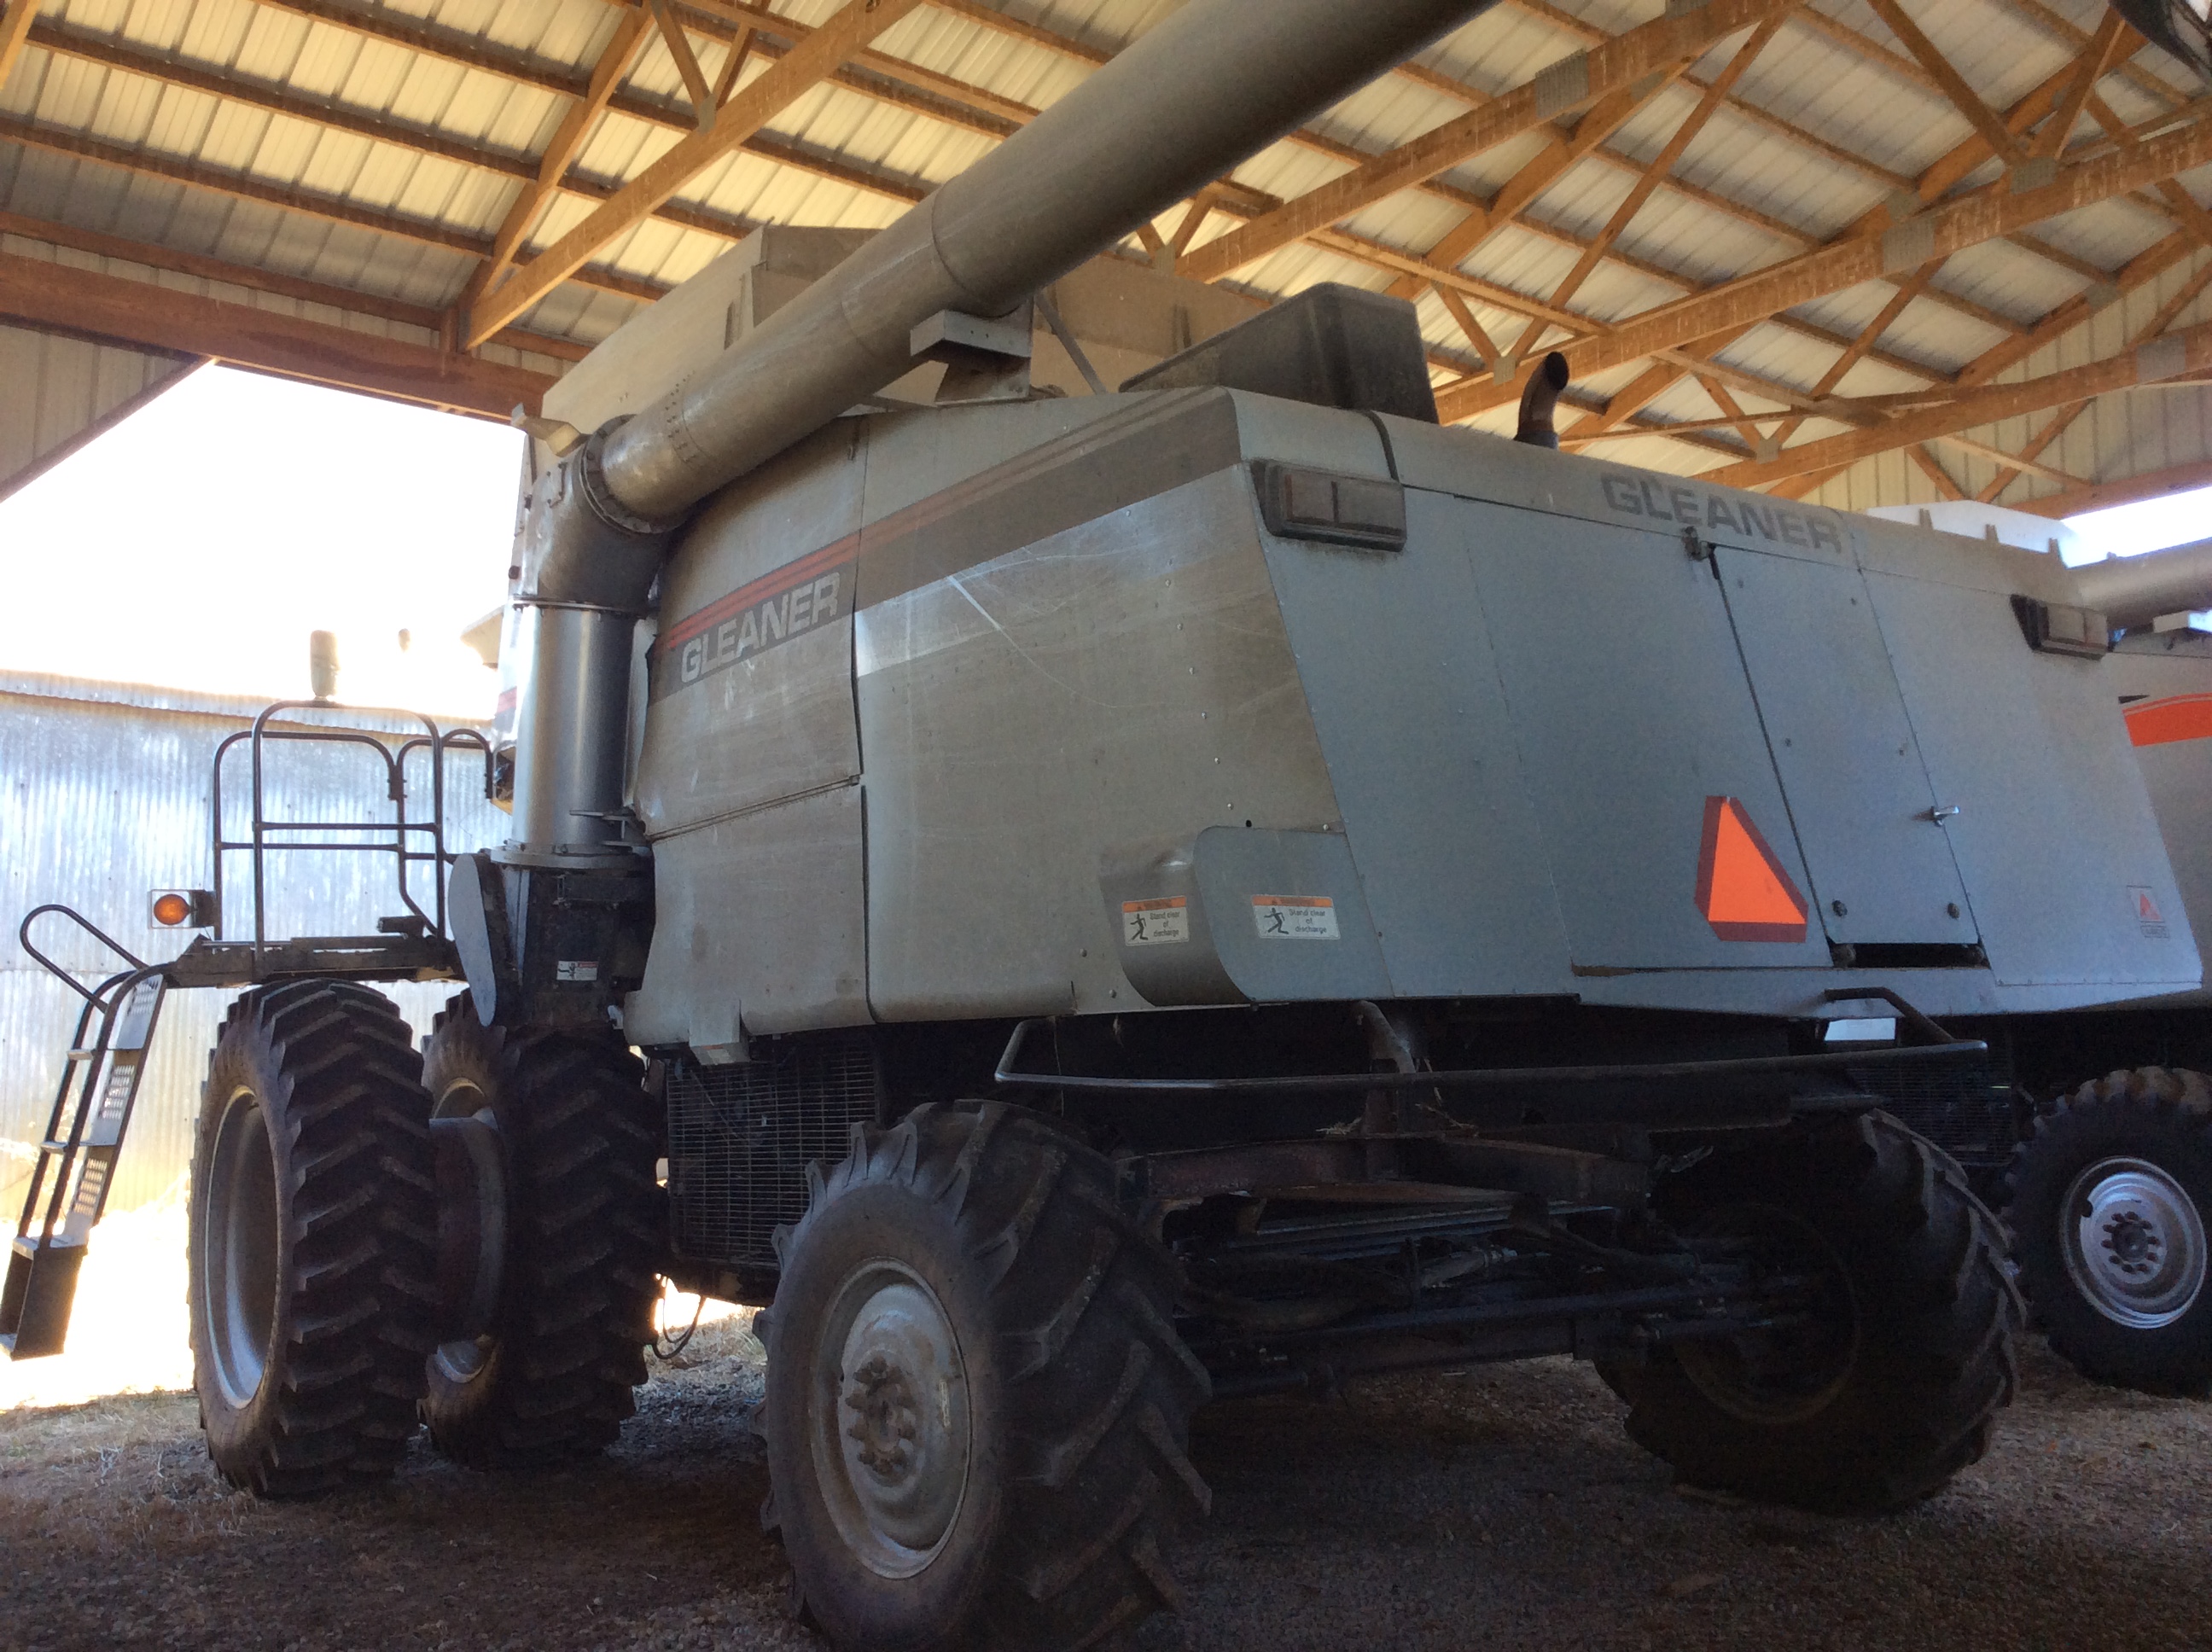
(1499, 1506)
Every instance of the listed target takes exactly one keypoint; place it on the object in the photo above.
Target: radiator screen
(740, 1138)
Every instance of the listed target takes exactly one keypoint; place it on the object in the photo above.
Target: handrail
(409, 842)
(23, 939)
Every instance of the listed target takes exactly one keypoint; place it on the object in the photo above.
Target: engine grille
(740, 1138)
(1964, 1111)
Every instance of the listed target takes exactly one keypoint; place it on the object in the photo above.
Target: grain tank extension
(1203, 889)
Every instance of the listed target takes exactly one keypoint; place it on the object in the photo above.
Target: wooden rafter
(2139, 272)
(1931, 467)
(2089, 68)
(1953, 86)
(15, 30)
(2062, 420)
(139, 313)
(2168, 357)
(732, 17)
(1716, 92)
(694, 80)
(852, 28)
(1671, 364)
(561, 151)
(327, 208)
(1570, 86)
(255, 279)
(1876, 254)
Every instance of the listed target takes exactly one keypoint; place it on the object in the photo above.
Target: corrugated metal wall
(103, 797)
(64, 392)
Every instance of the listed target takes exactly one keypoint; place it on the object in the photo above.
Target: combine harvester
(1082, 904)
(2093, 1131)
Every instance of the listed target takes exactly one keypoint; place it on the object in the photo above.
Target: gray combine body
(942, 700)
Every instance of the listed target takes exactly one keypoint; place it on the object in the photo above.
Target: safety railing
(413, 843)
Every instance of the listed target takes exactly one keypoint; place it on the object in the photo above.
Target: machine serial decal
(1743, 889)
(1294, 917)
(1156, 923)
(1698, 508)
(2164, 722)
(796, 599)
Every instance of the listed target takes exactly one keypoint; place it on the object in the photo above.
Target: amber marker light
(180, 908)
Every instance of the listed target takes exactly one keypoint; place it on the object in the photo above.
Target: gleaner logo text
(796, 599)
(1697, 508)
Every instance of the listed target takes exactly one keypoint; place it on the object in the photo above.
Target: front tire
(313, 1240)
(978, 1408)
(1889, 1387)
(2110, 1202)
(550, 1374)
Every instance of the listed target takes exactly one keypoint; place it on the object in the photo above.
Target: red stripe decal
(769, 585)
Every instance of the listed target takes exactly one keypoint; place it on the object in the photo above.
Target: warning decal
(1155, 923)
(1295, 917)
(1743, 889)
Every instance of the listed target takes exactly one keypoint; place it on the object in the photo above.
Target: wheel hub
(893, 1429)
(2134, 1245)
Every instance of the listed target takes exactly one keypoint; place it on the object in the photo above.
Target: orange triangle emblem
(1743, 889)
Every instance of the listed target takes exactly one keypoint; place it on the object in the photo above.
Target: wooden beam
(1602, 119)
(422, 141)
(328, 208)
(2183, 296)
(1716, 91)
(179, 262)
(2124, 490)
(561, 151)
(14, 30)
(2096, 57)
(1456, 307)
(41, 293)
(1874, 254)
(1932, 468)
(1945, 170)
(1572, 84)
(2165, 357)
(1961, 96)
(852, 28)
(687, 63)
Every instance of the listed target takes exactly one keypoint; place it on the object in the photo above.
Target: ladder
(76, 1163)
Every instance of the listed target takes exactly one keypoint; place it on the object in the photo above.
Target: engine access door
(1857, 790)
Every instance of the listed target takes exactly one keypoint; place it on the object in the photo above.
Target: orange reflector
(1743, 889)
(2163, 722)
(171, 909)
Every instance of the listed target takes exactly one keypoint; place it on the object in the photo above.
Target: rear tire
(1891, 1389)
(552, 1377)
(314, 1239)
(2110, 1204)
(978, 1408)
